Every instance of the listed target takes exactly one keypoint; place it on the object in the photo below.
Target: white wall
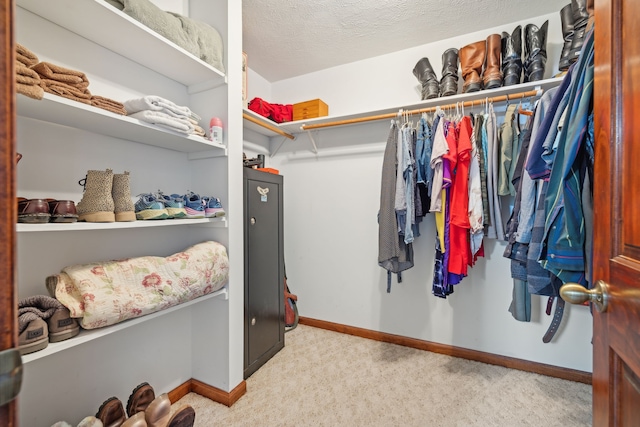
(331, 240)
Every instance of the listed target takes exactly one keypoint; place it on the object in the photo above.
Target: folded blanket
(67, 91)
(26, 75)
(32, 91)
(25, 56)
(108, 104)
(61, 74)
(157, 103)
(165, 120)
(196, 37)
(198, 131)
(106, 293)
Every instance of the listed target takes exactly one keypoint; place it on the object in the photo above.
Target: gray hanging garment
(393, 255)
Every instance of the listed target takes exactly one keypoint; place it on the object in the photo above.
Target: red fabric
(279, 113)
(459, 247)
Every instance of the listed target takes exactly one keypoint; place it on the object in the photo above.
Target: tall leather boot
(492, 76)
(535, 51)
(580, 20)
(512, 56)
(449, 79)
(566, 19)
(471, 61)
(427, 77)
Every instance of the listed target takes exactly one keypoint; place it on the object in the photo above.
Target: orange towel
(55, 72)
(25, 56)
(108, 104)
(66, 91)
(32, 91)
(26, 75)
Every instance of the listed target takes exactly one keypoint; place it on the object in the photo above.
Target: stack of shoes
(106, 198)
(144, 409)
(41, 320)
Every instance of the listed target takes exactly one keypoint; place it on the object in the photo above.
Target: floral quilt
(105, 293)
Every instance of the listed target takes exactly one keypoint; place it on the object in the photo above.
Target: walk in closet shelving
(477, 98)
(199, 339)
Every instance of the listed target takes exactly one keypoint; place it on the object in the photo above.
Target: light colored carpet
(324, 378)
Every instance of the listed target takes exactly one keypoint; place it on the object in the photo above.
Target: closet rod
(268, 126)
(501, 98)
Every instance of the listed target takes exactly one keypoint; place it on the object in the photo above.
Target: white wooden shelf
(66, 112)
(84, 226)
(98, 21)
(296, 127)
(87, 335)
(261, 124)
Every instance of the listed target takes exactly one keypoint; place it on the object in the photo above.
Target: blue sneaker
(193, 205)
(213, 207)
(148, 207)
(173, 204)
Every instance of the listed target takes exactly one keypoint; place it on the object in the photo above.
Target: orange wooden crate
(310, 109)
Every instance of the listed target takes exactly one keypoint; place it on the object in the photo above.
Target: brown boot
(184, 417)
(111, 413)
(158, 412)
(140, 398)
(471, 61)
(492, 76)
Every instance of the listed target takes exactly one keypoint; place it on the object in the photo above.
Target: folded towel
(67, 91)
(26, 75)
(32, 91)
(197, 130)
(25, 56)
(157, 103)
(108, 104)
(61, 74)
(165, 120)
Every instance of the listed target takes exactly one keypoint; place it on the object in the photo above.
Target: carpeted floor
(324, 378)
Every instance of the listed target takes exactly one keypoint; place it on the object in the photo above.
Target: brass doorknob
(578, 294)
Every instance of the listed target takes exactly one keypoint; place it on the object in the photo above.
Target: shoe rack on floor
(61, 139)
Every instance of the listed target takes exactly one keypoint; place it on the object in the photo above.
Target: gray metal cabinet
(263, 269)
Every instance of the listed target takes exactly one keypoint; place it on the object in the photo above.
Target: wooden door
(8, 302)
(616, 332)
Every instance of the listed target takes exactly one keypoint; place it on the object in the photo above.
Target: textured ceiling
(287, 38)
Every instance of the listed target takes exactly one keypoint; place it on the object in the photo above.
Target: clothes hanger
(524, 111)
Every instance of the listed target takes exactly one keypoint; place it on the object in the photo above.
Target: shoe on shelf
(111, 412)
(173, 204)
(212, 207)
(97, 201)
(62, 211)
(193, 204)
(121, 193)
(33, 211)
(149, 207)
(33, 333)
(60, 324)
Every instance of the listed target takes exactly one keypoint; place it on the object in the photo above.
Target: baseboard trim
(478, 356)
(210, 392)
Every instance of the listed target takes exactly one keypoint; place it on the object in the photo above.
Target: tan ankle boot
(471, 61)
(97, 202)
(136, 421)
(121, 193)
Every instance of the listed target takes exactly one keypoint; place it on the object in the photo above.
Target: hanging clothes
(393, 255)
(496, 228)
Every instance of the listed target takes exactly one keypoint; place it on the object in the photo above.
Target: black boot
(427, 77)
(512, 56)
(535, 51)
(580, 21)
(449, 79)
(566, 19)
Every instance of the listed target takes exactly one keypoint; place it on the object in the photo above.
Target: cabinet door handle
(253, 321)
(253, 220)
